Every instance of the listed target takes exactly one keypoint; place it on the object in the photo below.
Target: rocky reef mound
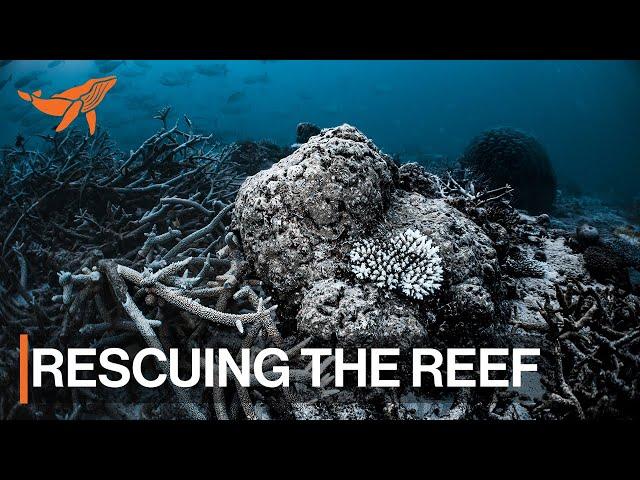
(509, 156)
(299, 219)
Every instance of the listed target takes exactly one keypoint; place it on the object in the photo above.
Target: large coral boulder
(299, 220)
(292, 216)
(507, 155)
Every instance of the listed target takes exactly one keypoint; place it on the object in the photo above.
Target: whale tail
(25, 96)
(29, 96)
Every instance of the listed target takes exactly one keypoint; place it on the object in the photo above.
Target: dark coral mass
(506, 155)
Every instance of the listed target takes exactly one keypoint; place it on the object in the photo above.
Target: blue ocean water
(586, 113)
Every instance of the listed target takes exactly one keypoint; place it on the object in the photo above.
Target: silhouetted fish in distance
(38, 84)
(236, 97)
(110, 66)
(143, 64)
(27, 79)
(55, 63)
(212, 70)
(176, 79)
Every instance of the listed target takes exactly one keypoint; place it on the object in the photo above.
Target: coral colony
(408, 262)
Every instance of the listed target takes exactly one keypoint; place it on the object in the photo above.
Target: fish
(143, 64)
(26, 79)
(69, 104)
(212, 70)
(143, 101)
(5, 81)
(55, 63)
(38, 84)
(236, 97)
(5, 62)
(254, 79)
(176, 79)
(110, 66)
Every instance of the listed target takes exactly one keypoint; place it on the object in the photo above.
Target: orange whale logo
(70, 103)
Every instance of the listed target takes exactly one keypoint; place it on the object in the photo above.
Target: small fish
(110, 66)
(236, 97)
(176, 79)
(5, 81)
(55, 63)
(254, 79)
(5, 62)
(38, 84)
(212, 70)
(187, 121)
(26, 79)
(143, 64)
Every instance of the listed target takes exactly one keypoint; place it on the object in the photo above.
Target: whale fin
(91, 120)
(37, 93)
(69, 116)
(25, 96)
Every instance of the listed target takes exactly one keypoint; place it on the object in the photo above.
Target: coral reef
(172, 246)
(509, 156)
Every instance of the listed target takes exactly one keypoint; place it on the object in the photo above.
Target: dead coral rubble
(105, 249)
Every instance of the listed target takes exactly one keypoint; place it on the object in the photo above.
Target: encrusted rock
(295, 217)
(358, 315)
(299, 219)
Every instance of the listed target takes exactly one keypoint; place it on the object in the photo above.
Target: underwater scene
(338, 204)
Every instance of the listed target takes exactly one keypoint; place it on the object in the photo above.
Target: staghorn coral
(144, 258)
(591, 336)
(408, 262)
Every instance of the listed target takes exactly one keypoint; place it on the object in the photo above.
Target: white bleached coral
(408, 262)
